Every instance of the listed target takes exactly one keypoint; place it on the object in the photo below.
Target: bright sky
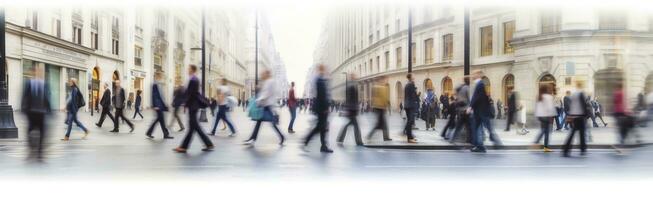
(296, 29)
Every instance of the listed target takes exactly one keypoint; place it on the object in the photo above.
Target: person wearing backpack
(74, 102)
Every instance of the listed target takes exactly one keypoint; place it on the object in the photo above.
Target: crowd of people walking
(469, 111)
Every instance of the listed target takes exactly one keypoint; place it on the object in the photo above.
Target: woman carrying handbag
(261, 109)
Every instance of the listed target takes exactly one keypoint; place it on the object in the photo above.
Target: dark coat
(119, 98)
(157, 100)
(192, 97)
(480, 102)
(351, 102)
(105, 102)
(35, 102)
(322, 102)
(411, 101)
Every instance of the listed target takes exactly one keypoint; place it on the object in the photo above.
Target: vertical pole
(203, 53)
(466, 42)
(7, 126)
(410, 40)
(255, 49)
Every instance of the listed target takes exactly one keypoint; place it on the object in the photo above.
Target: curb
(489, 147)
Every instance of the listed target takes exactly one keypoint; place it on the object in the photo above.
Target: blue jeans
(72, 117)
(478, 136)
(222, 114)
(293, 115)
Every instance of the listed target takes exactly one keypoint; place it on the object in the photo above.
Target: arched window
(447, 86)
(508, 86)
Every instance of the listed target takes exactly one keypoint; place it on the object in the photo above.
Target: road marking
(475, 166)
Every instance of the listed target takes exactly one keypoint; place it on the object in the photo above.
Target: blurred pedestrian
(224, 93)
(444, 100)
(463, 120)
(545, 111)
(292, 107)
(411, 104)
(119, 105)
(194, 101)
(74, 102)
(265, 102)
(499, 109)
(321, 109)
(130, 101)
(351, 108)
(577, 113)
(379, 104)
(429, 109)
(138, 104)
(159, 107)
(35, 104)
(451, 122)
(480, 109)
(521, 118)
(597, 111)
(512, 109)
(625, 120)
(559, 119)
(105, 102)
(177, 101)
(566, 104)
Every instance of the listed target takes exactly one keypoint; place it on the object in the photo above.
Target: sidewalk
(601, 137)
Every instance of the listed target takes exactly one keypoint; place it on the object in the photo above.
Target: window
(508, 30)
(77, 35)
(486, 41)
(94, 40)
(386, 56)
(378, 63)
(371, 67)
(550, 20)
(115, 46)
(413, 50)
(612, 20)
(138, 56)
(428, 51)
(447, 42)
(56, 28)
(398, 57)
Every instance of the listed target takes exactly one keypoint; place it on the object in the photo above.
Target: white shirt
(266, 94)
(545, 107)
(225, 92)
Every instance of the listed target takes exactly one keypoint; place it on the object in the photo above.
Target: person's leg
(78, 123)
(188, 138)
(487, 123)
(509, 120)
(102, 116)
(225, 119)
(343, 131)
(315, 130)
(570, 139)
(179, 121)
(357, 131)
(162, 123)
(582, 127)
(323, 130)
(70, 125)
(542, 127)
(293, 115)
(256, 129)
(215, 124)
(410, 114)
(151, 128)
(116, 122)
(281, 138)
(131, 125)
(547, 131)
(384, 125)
(205, 139)
(140, 114)
(135, 113)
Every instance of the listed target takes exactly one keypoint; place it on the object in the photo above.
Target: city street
(128, 156)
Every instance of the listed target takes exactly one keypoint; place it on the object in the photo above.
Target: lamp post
(466, 43)
(203, 49)
(7, 126)
(410, 40)
(255, 51)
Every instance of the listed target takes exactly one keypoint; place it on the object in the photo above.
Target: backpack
(80, 100)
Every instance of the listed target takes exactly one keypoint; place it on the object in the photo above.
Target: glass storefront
(53, 75)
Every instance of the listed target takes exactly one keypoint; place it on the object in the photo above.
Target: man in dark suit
(411, 104)
(119, 105)
(105, 102)
(35, 104)
(481, 110)
(321, 110)
(159, 106)
(194, 101)
(512, 109)
(351, 111)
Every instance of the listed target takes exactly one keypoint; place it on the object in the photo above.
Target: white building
(517, 48)
(102, 45)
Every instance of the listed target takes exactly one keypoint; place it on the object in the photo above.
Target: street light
(7, 126)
